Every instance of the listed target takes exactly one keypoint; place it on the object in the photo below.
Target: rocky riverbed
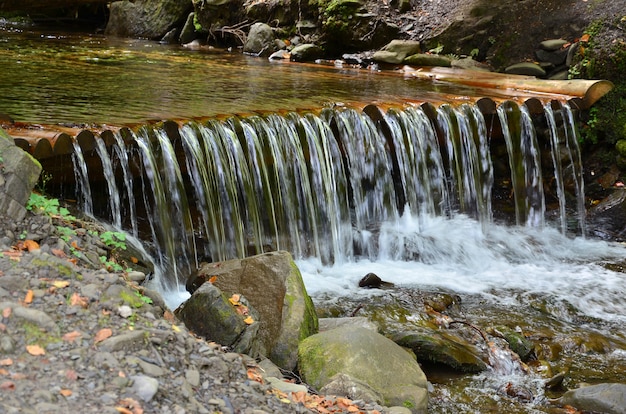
(76, 337)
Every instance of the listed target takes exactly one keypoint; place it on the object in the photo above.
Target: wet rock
(144, 387)
(372, 280)
(145, 18)
(326, 324)
(346, 386)
(260, 40)
(442, 348)
(607, 398)
(518, 343)
(552, 44)
(128, 341)
(20, 172)
(396, 51)
(188, 32)
(393, 373)
(306, 52)
(526, 68)
(425, 59)
(606, 219)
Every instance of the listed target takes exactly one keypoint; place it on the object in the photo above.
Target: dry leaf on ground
(6, 362)
(29, 297)
(72, 336)
(102, 335)
(65, 392)
(77, 300)
(6, 312)
(35, 350)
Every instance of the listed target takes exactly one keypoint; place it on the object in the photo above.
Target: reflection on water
(92, 79)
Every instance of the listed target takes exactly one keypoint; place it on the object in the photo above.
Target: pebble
(145, 387)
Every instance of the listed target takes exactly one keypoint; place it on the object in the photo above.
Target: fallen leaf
(6, 312)
(169, 316)
(249, 320)
(102, 335)
(75, 245)
(29, 297)
(212, 279)
(77, 300)
(129, 404)
(18, 376)
(35, 350)
(31, 245)
(6, 362)
(585, 37)
(4, 372)
(175, 328)
(65, 392)
(58, 253)
(60, 284)
(134, 260)
(123, 410)
(234, 299)
(71, 336)
(7, 385)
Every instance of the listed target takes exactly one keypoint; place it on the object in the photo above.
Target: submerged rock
(442, 348)
(600, 398)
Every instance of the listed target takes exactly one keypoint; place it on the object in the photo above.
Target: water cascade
(321, 184)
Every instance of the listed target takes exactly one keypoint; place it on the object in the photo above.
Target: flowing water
(436, 197)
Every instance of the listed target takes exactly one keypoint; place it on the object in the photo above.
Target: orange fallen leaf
(7, 385)
(35, 350)
(77, 300)
(169, 316)
(129, 404)
(102, 335)
(59, 253)
(29, 297)
(249, 320)
(75, 245)
(134, 260)
(585, 37)
(123, 410)
(71, 375)
(6, 362)
(71, 336)
(234, 299)
(4, 372)
(18, 376)
(65, 392)
(31, 245)
(6, 312)
(212, 279)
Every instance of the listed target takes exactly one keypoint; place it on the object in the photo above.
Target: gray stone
(367, 357)
(526, 68)
(144, 387)
(260, 40)
(13, 283)
(607, 398)
(129, 341)
(145, 18)
(397, 50)
(273, 285)
(306, 52)
(442, 347)
(193, 377)
(425, 59)
(552, 44)
(326, 324)
(37, 317)
(285, 386)
(346, 386)
(556, 57)
(209, 313)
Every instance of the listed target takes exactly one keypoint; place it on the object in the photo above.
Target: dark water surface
(77, 78)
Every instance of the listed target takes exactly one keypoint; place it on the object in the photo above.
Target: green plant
(50, 206)
(111, 265)
(65, 233)
(114, 239)
(437, 50)
(474, 53)
(143, 298)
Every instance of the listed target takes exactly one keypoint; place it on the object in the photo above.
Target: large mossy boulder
(396, 51)
(19, 172)
(260, 41)
(150, 19)
(273, 285)
(366, 357)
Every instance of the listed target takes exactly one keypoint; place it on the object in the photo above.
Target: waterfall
(321, 184)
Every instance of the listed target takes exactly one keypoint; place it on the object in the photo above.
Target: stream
(540, 276)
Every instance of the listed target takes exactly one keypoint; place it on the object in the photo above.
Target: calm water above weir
(89, 79)
(423, 220)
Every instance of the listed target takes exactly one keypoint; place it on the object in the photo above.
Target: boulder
(151, 19)
(364, 356)
(397, 50)
(273, 285)
(442, 348)
(218, 317)
(526, 68)
(260, 40)
(426, 59)
(19, 172)
(607, 398)
(306, 52)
